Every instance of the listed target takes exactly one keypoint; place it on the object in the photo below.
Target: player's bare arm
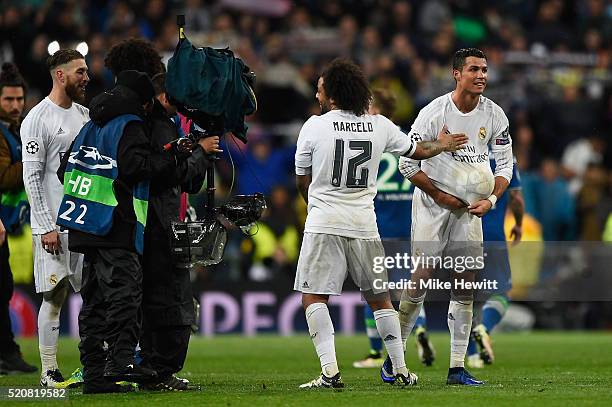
(2, 233)
(480, 208)
(423, 182)
(445, 142)
(303, 183)
(517, 207)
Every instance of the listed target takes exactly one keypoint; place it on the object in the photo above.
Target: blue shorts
(496, 267)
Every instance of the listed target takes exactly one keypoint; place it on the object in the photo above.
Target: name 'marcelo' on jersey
(46, 134)
(342, 151)
(464, 173)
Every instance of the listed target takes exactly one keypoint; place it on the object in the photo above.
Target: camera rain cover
(214, 82)
(198, 243)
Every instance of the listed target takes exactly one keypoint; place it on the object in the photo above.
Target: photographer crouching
(168, 309)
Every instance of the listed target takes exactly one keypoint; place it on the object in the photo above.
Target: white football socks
(460, 326)
(48, 333)
(322, 334)
(409, 311)
(387, 324)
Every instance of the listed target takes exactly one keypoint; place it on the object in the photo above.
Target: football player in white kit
(46, 134)
(337, 159)
(455, 190)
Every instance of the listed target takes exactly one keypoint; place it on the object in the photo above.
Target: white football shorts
(325, 260)
(50, 269)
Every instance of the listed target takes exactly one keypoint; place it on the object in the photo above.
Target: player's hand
(2, 233)
(451, 142)
(480, 208)
(210, 144)
(448, 201)
(516, 234)
(51, 243)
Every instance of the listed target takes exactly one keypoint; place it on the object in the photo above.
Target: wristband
(492, 199)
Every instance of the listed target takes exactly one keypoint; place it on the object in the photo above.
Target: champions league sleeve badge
(32, 147)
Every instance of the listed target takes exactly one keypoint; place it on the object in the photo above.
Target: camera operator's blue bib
(89, 198)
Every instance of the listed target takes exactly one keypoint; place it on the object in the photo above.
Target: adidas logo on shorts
(451, 317)
(389, 338)
(305, 285)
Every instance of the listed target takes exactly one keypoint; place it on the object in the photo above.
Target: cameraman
(168, 310)
(114, 153)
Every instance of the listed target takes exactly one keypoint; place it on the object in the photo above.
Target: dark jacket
(136, 161)
(189, 175)
(10, 173)
(167, 296)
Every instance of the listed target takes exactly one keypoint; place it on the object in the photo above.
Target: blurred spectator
(283, 94)
(593, 15)
(197, 17)
(121, 19)
(524, 150)
(387, 79)
(547, 197)
(590, 196)
(260, 166)
(548, 29)
(154, 16)
(604, 210)
(569, 118)
(578, 156)
(275, 239)
(432, 15)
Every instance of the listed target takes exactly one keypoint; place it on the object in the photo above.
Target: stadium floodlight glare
(53, 47)
(83, 48)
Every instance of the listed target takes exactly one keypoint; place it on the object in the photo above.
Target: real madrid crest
(482, 133)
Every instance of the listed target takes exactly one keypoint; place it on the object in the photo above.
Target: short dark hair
(10, 76)
(346, 84)
(159, 83)
(136, 54)
(461, 55)
(63, 56)
(385, 101)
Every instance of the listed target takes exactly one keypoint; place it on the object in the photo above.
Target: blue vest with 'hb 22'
(89, 198)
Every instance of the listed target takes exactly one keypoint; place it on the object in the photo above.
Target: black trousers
(7, 339)
(168, 310)
(112, 296)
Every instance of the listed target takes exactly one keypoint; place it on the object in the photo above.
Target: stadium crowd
(549, 68)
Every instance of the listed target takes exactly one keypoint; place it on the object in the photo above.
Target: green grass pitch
(531, 369)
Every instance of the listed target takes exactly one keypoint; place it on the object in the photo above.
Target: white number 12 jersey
(344, 152)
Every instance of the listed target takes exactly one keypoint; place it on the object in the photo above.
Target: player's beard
(73, 90)
(324, 107)
(13, 117)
